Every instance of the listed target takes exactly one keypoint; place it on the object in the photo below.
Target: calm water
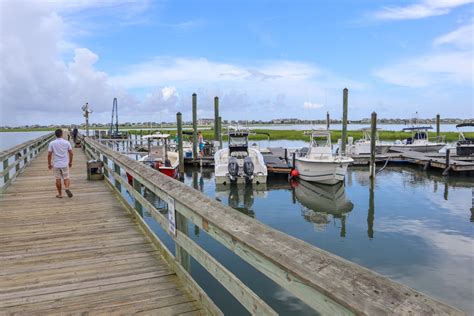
(10, 139)
(415, 227)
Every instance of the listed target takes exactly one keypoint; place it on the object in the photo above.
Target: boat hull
(429, 148)
(327, 172)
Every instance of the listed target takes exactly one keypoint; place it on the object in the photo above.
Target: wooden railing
(329, 284)
(17, 158)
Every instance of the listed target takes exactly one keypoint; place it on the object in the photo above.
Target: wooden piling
(195, 137)
(179, 121)
(328, 121)
(216, 119)
(373, 138)
(437, 125)
(345, 96)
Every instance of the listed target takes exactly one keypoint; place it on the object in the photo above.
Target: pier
(95, 253)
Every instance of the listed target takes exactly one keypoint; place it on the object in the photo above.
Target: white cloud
(462, 37)
(420, 10)
(426, 70)
(35, 83)
(453, 66)
(311, 105)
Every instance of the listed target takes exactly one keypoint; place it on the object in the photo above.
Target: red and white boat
(159, 156)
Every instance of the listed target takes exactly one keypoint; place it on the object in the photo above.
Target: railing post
(181, 255)
(138, 187)
(117, 171)
(106, 163)
(328, 121)
(6, 177)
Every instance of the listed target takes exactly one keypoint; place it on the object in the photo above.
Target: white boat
(319, 164)
(362, 146)
(419, 141)
(239, 163)
(159, 156)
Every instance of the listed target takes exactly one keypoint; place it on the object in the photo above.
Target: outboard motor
(233, 168)
(248, 167)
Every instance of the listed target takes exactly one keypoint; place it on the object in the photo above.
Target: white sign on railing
(171, 216)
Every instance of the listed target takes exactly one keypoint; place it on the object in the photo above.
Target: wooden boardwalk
(80, 255)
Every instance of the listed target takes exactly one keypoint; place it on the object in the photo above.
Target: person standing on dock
(60, 154)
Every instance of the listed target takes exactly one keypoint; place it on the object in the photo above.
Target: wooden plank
(78, 254)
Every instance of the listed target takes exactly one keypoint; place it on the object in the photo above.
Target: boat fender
(248, 166)
(294, 173)
(233, 167)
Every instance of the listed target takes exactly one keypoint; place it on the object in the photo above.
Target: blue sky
(265, 59)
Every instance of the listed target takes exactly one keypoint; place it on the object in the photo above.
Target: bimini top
(471, 124)
(156, 136)
(417, 128)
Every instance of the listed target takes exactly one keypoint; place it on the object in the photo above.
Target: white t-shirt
(60, 148)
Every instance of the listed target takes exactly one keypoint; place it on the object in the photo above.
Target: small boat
(419, 141)
(159, 156)
(465, 145)
(318, 163)
(362, 146)
(239, 163)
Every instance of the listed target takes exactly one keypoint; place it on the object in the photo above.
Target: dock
(94, 253)
(80, 255)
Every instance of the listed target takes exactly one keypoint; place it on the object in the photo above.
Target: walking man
(60, 152)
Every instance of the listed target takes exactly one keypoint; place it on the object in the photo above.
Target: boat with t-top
(318, 163)
(239, 163)
(419, 141)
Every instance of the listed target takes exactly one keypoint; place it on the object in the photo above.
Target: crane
(114, 133)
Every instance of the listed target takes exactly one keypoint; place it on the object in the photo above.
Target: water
(415, 227)
(10, 139)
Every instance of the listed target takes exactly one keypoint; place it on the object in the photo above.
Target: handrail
(329, 284)
(24, 152)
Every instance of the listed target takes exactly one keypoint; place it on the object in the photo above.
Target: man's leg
(67, 182)
(58, 187)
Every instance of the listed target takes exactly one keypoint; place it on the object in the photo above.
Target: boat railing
(325, 282)
(17, 158)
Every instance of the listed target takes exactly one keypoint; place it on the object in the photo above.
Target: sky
(263, 59)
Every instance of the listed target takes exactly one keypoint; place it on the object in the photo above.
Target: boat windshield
(420, 135)
(238, 141)
(320, 142)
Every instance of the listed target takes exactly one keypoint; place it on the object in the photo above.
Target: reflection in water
(420, 236)
(319, 201)
(370, 213)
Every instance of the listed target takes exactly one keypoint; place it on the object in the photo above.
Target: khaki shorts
(61, 173)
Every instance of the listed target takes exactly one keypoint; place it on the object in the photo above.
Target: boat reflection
(321, 202)
(242, 196)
